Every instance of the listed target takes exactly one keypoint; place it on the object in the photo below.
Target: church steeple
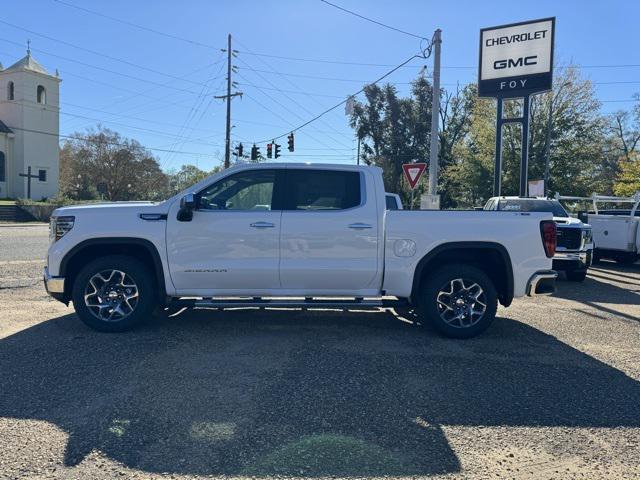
(28, 63)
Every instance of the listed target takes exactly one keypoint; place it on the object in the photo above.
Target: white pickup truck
(616, 232)
(295, 235)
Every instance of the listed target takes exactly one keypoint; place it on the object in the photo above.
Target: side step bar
(285, 302)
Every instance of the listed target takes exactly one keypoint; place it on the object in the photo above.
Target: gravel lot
(550, 391)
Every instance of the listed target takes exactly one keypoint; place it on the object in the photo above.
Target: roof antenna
(28, 48)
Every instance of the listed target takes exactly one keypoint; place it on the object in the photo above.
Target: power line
(100, 54)
(425, 53)
(315, 77)
(286, 121)
(292, 100)
(136, 94)
(146, 81)
(120, 115)
(193, 112)
(297, 92)
(136, 25)
(375, 21)
(99, 120)
(365, 64)
(86, 139)
(282, 118)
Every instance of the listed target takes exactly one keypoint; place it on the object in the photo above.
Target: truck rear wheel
(459, 301)
(113, 293)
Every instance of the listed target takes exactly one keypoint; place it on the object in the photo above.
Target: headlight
(588, 235)
(59, 226)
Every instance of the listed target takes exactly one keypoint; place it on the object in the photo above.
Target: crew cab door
(232, 242)
(330, 232)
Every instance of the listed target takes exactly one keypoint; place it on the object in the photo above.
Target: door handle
(262, 225)
(360, 226)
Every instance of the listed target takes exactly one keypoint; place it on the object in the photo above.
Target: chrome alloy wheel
(461, 303)
(111, 295)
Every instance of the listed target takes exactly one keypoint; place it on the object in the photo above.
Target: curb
(25, 224)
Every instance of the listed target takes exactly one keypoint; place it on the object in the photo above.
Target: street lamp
(547, 146)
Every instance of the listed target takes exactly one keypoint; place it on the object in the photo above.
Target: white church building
(29, 129)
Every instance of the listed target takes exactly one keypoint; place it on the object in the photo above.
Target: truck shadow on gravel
(292, 393)
(598, 289)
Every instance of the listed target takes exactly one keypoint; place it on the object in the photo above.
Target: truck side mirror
(187, 206)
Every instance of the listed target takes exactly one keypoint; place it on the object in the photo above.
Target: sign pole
(524, 162)
(497, 170)
(516, 61)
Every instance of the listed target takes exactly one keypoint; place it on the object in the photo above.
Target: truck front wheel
(113, 293)
(459, 301)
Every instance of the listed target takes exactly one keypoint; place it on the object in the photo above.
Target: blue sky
(159, 90)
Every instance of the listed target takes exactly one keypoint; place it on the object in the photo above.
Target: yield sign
(413, 172)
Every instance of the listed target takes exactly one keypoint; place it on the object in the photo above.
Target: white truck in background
(295, 235)
(616, 231)
(574, 250)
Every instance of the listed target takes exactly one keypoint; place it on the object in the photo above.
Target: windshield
(531, 205)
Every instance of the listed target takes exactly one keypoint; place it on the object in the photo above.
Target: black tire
(135, 271)
(432, 311)
(576, 275)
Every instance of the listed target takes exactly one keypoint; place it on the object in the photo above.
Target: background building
(29, 129)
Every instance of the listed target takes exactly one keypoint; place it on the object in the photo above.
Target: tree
(394, 130)
(185, 177)
(625, 127)
(628, 181)
(118, 167)
(579, 163)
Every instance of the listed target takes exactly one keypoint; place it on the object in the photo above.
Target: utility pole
(228, 97)
(435, 118)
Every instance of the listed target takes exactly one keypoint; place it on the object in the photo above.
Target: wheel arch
(87, 250)
(491, 257)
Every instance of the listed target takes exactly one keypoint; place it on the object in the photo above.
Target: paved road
(551, 390)
(23, 243)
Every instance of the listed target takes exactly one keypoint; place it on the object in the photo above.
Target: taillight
(549, 237)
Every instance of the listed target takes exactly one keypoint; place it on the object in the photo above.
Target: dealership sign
(516, 59)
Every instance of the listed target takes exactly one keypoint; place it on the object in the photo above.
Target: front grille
(569, 238)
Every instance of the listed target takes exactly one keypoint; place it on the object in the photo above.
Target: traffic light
(277, 150)
(290, 142)
(255, 152)
(240, 149)
(269, 150)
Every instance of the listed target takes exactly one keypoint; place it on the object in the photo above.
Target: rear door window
(322, 190)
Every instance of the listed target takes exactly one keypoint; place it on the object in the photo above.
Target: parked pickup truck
(616, 231)
(574, 251)
(295, 235)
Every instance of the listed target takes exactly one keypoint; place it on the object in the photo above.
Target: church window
(42, 175)
(42, 95)
(3, 173)
(10, 91)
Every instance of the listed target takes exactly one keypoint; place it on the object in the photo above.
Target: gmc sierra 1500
(295, 235)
